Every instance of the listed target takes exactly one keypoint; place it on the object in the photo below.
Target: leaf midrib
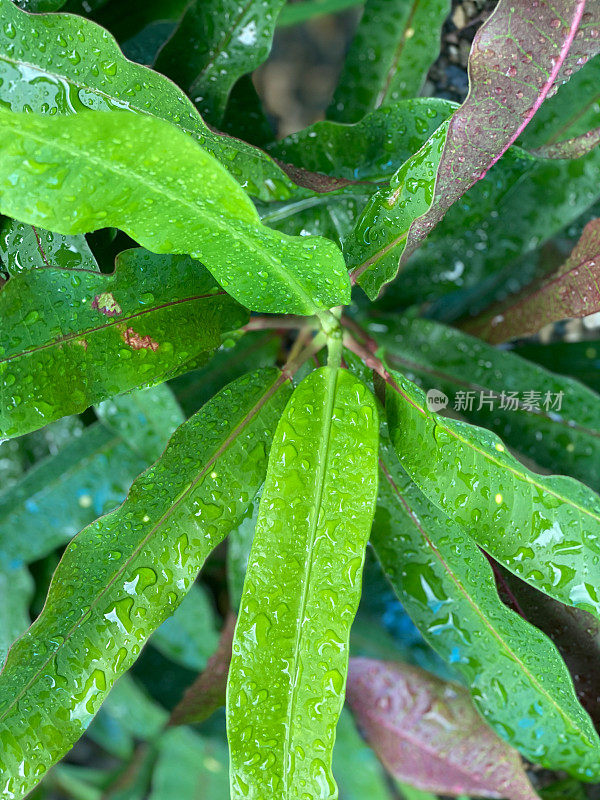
(231, 229)
(265, 397)
(503, 644)
(489, 457)
(323, 458)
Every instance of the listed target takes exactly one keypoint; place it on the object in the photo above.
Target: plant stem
(283, 322)
(293, 364)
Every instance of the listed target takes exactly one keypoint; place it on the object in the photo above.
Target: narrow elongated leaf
(427, 732)
(88, 477)
(189, 637)
(42, 69)
(145, 555)
(550, 419)
(177, 198)
(288, 671)
(572, 111)
(395, 44)
(145, 419)
(518, 56)
(16, 591)
(581, 360)
(208, 692)
(516, 676)
(116, 332)
(24, 247)
(239, 545)
(573, 290)
(215, 44)
(575, 147)
(544, 529)
(370, 150)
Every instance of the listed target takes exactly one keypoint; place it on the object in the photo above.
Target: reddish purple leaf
(570, 148)
(207, 692)
(428, 733)
(573, 290)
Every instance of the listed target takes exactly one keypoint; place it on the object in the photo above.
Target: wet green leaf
(303, 10)
(544, 529)
(178, 198)
(215, 43)
(516, 676)
(369, 150)
(61, 494)
(145, 419)
(580, 360)
(290, 652)
(124, 574)
(518, 45)
(103, 334)
(60, 63)
(24, 247)
(550, 419)
(396, 43)
(239, 544)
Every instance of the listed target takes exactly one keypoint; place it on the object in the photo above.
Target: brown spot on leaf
(137, 342)
(106, 304)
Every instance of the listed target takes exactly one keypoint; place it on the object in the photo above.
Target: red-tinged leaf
(207, 692)
(518, 58)
(573, 290)
(576, 147)
(427, 733)
(523, 50)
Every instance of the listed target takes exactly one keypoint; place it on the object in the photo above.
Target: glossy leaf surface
(369, 150)
(147, 327)
(16, 590)
(395, 44)
(544, 529)
(24, 247)
(511, 74)
(428, 733)
(573, 290)
(302, 587)
(214, 44)
(201, 209)
(58, 63)
(145, 556)
(550, 419)
(515, 674)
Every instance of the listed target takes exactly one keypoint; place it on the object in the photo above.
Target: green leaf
(16, 590)
(516, 676)
(460, 153)
(304, 10)
(145, 556)
(177, 198)
(357, 771)
(103, 334)
(24, 247)
(189, 637)
(88, 477)
(239, 544)
(215, 44)
(41, 74)
(290, 652)
(572, 111)
(244, 116)
(544, 529)
(572, 290)
(580, 360)
(145, 419)
(190, 766)
(370, 150)
(550, 419)
(396, 43)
